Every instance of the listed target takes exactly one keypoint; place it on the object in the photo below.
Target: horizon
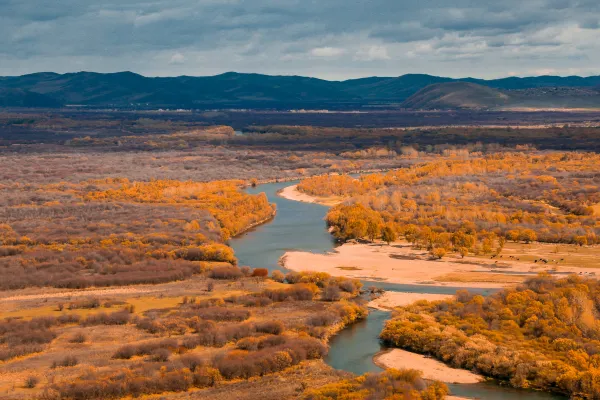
(303, 76)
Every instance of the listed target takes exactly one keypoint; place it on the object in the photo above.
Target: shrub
(116, 318)
(260, 272)
(229, 272)
(240, 364)
(246, 270)
(217, 313)
(272, 327)
(192, 361)
(78, 338)
(31, 382)
(324, 318)
(331, 293)
(277, 276)
(84, 304)
(160, 355)
(68, 361)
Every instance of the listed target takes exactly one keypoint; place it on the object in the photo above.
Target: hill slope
(235, 90)
(24, 98)
(457, 95)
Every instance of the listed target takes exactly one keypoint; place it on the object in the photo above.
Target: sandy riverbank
(390, 300)
(400, 263)
(292, 193)
(432, 368)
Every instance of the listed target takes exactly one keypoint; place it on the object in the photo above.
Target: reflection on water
(300, 226)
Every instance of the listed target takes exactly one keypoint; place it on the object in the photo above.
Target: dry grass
(473, 277)
(559, 255)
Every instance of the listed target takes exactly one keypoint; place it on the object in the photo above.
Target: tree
(438, 252)
(513, 235)
(389, 234)
(463, 251)
(462, 239)
(373, 230)
(528, 236)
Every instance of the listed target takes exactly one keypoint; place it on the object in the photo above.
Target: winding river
(300, 226)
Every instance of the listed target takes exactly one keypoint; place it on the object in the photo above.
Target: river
(300, 226)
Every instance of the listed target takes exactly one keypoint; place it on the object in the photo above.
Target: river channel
(300, 226)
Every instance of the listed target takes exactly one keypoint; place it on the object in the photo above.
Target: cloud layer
(333, 39)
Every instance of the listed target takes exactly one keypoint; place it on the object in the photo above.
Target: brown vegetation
(471, 204)
(543, 335)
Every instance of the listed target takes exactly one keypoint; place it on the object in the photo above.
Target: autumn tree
(388, 234)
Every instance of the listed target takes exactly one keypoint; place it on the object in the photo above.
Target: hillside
(235, 90)
(457, 95)
(25, 98)
(466, 95)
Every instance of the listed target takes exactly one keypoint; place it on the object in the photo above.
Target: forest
(544, 334)
(470, 203)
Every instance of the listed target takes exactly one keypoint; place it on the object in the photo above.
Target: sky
(329, 39)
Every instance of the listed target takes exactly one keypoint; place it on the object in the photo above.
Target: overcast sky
(331, 39)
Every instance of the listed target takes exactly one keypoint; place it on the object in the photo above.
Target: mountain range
(237, 90)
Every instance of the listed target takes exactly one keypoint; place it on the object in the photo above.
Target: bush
(160, 355)
(146, 348)
(240, 364)
(260, 272)
(84, 304)
(324, 318)
(229, 272)
(117, 318)
(217, 313)
(272, 327)
(78, 338)
(31, 382)
(331, 293)
(277, 276)
(247, 271)
(68, 361)
(192, 361)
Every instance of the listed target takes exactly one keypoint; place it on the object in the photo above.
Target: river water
(300, 226)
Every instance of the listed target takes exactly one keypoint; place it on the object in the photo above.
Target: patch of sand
(400, 263)
(292, 193)
(432, 369)
(390, 300)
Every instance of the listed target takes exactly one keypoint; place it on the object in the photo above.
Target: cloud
(328, 52)
(330, 38)
(177, 58)
(372, 53)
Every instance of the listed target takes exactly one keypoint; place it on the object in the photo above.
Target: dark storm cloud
(330, 38)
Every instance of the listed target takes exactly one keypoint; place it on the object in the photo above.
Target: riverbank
(389, 300)
(292, 193)
(432, 369)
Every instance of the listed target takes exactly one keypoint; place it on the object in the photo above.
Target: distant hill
(235, 90)
(457, 95)
(466, 95)
(25, 98)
